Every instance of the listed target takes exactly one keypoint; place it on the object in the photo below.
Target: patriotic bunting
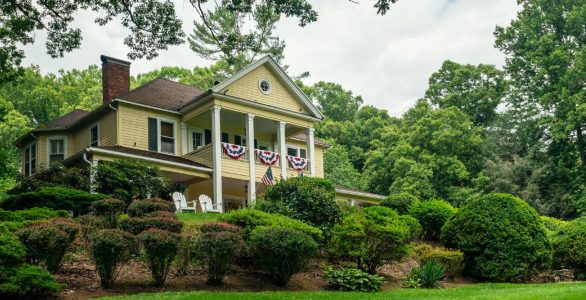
(267, 157)
(233, 151)
(297, 163)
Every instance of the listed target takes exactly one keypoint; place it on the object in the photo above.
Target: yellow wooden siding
(275, 116)
(107, 132)
(319, 158)
(133, 126)
(42, 147)
(280, 96)
(202, 155)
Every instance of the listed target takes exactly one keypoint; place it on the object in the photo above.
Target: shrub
(12, 251)
(30, 282)
(138, 225)
(432, 215)
(108, 249)
(501, 236)
(569, 248)
(281, 251)
(250, 219)
(35, 213)
(140, 208)
(312, 200)
(352, 280)
(55, 175)
(186, 251)
(373, 236)
(66, 225)
(452, 260)
(46, 245)
(428, 275)
(160, 247)
(216, 247)
(109, 210)
(400, 202)
(553, 224)
(162, 214)
(127, 179)
(57, 198)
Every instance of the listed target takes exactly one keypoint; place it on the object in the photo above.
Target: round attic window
(264, 86)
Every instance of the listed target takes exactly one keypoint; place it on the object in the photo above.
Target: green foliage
(308, 199)
(35, 213)
(451, 260)
(501, 236)
(552, 224)
(338, 169)
(400, 202)
(140, 208)
(217, 246)
(58, 198)
(160, 248)
(432, 215)
(352, 280)
(138, 225)
(281, 251)
(46, 245)
(428, 275)
(29, 282)
(250, 219)
(54, 175)
(568, 247)
(373, 236)
(12, 251)
(129, 179)
(109, 249)
(185, 253)
(109, 210)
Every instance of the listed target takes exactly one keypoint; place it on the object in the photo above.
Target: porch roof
(153, 155)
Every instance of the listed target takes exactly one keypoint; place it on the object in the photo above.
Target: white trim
(159, 120)
(310, 152)
(147, 106)
(287, 147)
(184, 139)
(191, 131)
(161, 161)
(30, 158)
(249, 125)
(53, 138)
(281, 73)
(217, 159)
(282, 148)
(260, 86)
(97, 125)
(361, 194)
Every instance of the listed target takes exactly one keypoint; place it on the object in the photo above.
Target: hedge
(57, 198)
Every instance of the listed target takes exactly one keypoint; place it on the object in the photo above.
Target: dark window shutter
(238, 140)
(225, 138)
(208, 136)
(302, 153)
(255, 144)
(153, 133)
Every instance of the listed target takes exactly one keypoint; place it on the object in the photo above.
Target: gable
(284, 93)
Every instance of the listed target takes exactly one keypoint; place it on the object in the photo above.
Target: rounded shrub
(65, 224)
(400, 202)
(57, 198)
(140, 208)
(160, 248)
(216, 247)
(569, 248)
(28, 282)
(138, 225)
(161, 214)
(109, 248)
(46, 245)
(373, 236)
(281, 251)
(109, 210)
(501, 236)
(452, 260)
(352, 280)
(311, 200)
(12, 251)
(432, 215)
(553, 224)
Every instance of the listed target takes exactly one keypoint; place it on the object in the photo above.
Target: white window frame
(97, 125)
(190, 139)
(268, 82)
(54, 138)
(29, 159)
(159, 120)
(298, 150)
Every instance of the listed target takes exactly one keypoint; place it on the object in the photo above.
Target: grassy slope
(190, 218)
(478, 291)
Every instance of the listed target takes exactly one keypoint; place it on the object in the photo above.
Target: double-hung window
(30, 159)
(296, 151)
(197, 138)
(56, 149)
(94, 136)
(167, 137)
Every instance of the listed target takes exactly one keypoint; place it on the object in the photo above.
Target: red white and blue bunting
(233, 151)
(267, 157)
(297, 163)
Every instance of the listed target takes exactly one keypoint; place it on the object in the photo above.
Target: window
(238, 140)
(56, 150)
(196, 139)
(264, 146)
(167, 137)
(264, 86)
(296, 151)
(94, 138)
(30, 159)
(225, 138)
(208, 136)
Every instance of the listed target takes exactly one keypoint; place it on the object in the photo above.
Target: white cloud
(386, 59)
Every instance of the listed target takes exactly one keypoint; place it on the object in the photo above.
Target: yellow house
(200, 138)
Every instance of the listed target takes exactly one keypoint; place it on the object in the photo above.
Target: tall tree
(336, 103)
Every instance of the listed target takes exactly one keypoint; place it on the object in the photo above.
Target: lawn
(190, 218)
(576, 290)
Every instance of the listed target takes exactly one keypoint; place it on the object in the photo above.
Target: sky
(385, 59)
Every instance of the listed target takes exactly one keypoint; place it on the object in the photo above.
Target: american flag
(267, 179)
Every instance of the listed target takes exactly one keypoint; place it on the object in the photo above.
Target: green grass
(190, 218)
(576, 290)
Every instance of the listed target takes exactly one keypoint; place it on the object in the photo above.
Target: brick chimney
(115, 77)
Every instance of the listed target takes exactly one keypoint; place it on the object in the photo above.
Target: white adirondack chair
(181, 203)
(206, 204)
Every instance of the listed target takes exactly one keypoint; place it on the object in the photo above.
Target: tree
(335, 103)
(203, 78)
(475, 90)
(339, 170)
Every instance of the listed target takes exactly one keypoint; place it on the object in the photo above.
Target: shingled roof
(162, 93)
(155, 155)
(66, 120)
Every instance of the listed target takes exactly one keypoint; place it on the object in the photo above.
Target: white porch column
(251, 160)
(282, 149)
(217, 151)
(311, 151)
(184, 138)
